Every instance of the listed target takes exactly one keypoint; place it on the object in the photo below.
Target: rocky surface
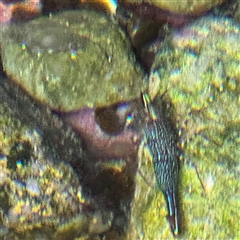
(59, 59)
(36, 185)
(193, 7)
(197, 73)
(198, 70)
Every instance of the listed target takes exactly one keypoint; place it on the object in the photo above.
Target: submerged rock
(193, 7)
(71, 60)
(40, 197)
(43, 196)
(108, 184)
(198, 72)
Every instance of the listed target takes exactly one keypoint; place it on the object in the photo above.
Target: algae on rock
(198, 71)
(41, 197)
(71, 60)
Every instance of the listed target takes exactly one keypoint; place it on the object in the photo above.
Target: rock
(193, 7)
(39, 196)
(47, 191)
(72, 60)
(236, 15)
(198, 72)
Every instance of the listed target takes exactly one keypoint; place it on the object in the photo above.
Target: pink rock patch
(122, 144)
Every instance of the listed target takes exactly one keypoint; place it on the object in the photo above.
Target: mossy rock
(198, 71)
(71, 60)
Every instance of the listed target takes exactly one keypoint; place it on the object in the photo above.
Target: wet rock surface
(47, 190)
(193, 7)
(102, 192)
(59, 59)
(196, 71)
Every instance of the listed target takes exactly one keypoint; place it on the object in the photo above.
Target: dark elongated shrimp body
(162, 144)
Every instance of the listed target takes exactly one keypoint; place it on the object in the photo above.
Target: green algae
(41, 196)
(198, 70)
(202, 82)
(71, 60)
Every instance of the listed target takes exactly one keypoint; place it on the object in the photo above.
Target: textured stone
(41, 195)
(192, 7)
(71, 60)
(198, 70)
